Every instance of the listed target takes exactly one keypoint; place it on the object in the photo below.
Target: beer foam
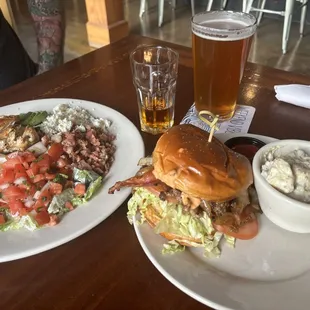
(222, 29)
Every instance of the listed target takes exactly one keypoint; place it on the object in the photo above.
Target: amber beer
(221, 43)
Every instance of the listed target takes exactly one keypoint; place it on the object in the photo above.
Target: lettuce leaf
(84, 176)
(90, 192)
(172, 247)
(58, 203)
(175, 221)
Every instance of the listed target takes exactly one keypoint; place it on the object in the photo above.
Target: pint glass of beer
(155, 70)
(221, 42)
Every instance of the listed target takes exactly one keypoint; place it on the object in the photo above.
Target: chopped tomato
(247, 231)
(30, 173)
(13, 192)
(34, 167)
(2, 219)
(20, 171)
(28, 157)
(43, 170)
(37, 178)
(80, 189)
(55, 188)
(7, 176)
(69, 205)
(17, 207)
(42, 217)
(49, 176)
(55, 151)
(43, 161)
(11, 163)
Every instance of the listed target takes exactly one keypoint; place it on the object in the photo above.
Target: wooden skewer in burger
(192, 189)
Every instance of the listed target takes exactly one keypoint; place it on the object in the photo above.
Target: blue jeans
(15, 63)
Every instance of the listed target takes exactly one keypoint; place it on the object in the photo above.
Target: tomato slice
(42, 217)
(55, 151)
(245, 232)
(8, 176)
(14, 192)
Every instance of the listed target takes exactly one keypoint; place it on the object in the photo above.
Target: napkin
(296, 94)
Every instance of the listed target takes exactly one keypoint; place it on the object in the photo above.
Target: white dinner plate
(129, 149)
(269, 272)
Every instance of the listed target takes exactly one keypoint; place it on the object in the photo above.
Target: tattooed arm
(49, 26)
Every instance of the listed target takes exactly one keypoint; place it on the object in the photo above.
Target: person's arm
(49, 26)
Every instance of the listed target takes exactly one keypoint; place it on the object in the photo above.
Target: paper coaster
(239, 123)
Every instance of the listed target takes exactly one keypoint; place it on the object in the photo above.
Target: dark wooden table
(106, 267)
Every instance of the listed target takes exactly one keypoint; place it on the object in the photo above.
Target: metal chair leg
(244, 5)
(249, 6)
(289, 8)
(303, 17)
(224, 3)
(161, 5)
(209, 6)
(193, 7)
(260, 15)
(142, 7)
(173, 4)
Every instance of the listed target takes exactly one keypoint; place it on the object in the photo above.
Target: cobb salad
(50, 163)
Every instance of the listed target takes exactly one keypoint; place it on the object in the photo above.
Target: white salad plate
(269, 272)
(129, 149)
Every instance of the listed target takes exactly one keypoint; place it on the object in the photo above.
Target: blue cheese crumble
(65, 116)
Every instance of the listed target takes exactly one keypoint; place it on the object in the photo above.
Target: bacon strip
(146, 178)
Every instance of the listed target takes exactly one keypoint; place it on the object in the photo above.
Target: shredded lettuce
(172, 247)
(175, 221)
(26, 221)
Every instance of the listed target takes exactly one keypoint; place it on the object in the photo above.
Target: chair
(161, 5)
(223, 5)
(287, 13)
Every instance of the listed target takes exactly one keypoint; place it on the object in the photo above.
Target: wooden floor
(266, 47)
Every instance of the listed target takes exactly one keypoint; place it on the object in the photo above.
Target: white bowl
(284, 211)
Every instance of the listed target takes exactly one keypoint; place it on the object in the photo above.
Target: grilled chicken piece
(6, 125)
(15, 137)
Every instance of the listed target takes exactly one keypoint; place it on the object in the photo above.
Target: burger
(194, 192)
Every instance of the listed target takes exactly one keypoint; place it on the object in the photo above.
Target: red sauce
(248, 150)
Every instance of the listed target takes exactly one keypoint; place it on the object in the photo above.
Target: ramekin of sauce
(246, 146)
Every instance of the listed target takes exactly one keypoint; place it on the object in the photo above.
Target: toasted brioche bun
(185, 160)
(152, 217)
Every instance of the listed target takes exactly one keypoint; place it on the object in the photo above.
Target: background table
(106, 267)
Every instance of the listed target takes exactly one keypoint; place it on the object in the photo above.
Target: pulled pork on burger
(194, 192)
